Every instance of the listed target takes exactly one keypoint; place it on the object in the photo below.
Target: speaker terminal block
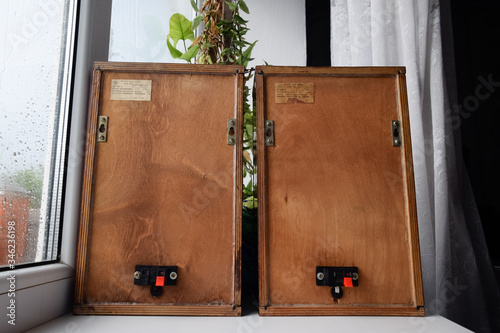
(337, 277)
(155, 276)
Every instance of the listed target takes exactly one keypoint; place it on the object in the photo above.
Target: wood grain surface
(165, 190)
(158, 310)
(334, 191)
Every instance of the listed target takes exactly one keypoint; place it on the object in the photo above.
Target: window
(139, 29)
(36, 55)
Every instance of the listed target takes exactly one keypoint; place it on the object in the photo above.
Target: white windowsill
(35, 276)
(249, 324)
(38, 294)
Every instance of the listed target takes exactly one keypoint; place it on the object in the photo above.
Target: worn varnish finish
(165, 189)
(333, 191)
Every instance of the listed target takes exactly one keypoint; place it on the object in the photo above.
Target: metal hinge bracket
(396, 133)
(231, 132)
(102, 129)
(269, 132)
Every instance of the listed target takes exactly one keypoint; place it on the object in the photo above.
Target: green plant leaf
(250, 202)
(173, 51)
(232, 5)
(180, 28)
(238, 19)
(190, 54)
(195, 7)
(240, 43)
(196, 22)
(243, 6)
(247, 53)
(249, 186)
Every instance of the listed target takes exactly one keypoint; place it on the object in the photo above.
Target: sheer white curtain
(458, 279)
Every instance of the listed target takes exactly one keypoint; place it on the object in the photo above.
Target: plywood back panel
(333, 191)
(165, 190)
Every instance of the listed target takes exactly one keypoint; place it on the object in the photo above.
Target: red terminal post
(348, 282)
(160, 281)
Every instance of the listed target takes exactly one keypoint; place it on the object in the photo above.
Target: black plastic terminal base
(337, 277)
(156, 277)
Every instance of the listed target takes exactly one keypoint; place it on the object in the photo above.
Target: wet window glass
(36, 52)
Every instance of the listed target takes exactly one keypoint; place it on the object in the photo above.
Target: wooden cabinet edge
(403, 311)
(326, 71)
(167, 68)
(84, 225)
(159, 310)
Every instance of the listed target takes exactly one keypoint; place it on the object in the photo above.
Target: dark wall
(318, 32)
(476, 34)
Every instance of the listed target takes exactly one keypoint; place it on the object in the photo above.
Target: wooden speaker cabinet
(337, 213)
(160, 229)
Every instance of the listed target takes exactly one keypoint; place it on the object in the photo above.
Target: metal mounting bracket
(102, 129)
(231, 132)
(396, 133)
(269, 133)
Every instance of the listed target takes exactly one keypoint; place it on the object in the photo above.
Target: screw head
(232, 122)
(269, 123)
(355, 276)
(231, 141)
(137, 275)
(320, 276)
(103, 119)
(396, 142)
(173, 275)
(395, 123)
(101, 137)
(269, 141)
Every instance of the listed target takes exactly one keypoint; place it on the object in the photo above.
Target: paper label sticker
(131, 90)
(294, 92)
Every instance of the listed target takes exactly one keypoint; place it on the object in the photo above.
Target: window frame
(48, 287)
(52, 207)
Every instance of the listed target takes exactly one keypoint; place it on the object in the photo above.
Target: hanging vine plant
(222, 41)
